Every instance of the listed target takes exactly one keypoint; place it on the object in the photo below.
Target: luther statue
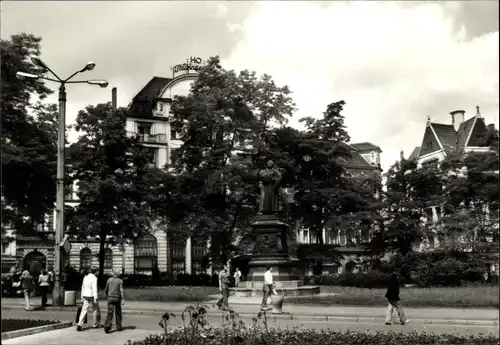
(269, 189)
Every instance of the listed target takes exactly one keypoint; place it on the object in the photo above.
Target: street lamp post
(58, 291)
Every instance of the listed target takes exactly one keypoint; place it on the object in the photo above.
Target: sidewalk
(68, 336)
(442, 315)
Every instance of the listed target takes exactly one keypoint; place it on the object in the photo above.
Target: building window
(373, 158)
(173, 133)
(199, 250)
(178, 255)
(69, 190)
(160, 106)
(152, 154)
(430, 164)
(85, 258)
(174, 153)
(178, 266)
(144, 128)
(108, 258)
(332, 236)
(145, 254)
(5, 247)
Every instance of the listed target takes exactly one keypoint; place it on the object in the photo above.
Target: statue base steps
(286, 291)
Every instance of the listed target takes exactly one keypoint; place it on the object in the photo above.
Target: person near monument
(268, 287)
(114, 292)
(90, 298)
(392, 296)
(237, 277)
(223, 303)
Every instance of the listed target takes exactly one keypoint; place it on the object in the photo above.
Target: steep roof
(359, 163)
(151, 90)
(415, 153)
(366, 146)
(446, 135)
(464, 131)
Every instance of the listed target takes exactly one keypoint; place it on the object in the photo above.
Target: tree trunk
(102, 242)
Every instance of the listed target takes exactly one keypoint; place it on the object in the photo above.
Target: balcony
(150, 138)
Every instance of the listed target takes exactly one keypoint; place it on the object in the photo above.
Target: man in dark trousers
(392, 296)
(223, 303)
(114, 292)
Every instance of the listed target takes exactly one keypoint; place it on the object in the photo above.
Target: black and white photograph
(250, 172)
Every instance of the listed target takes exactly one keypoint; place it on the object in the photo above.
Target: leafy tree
(224, 122)
(470, 204)
(116, 187)
(314, 164)
(28, 145)
(410, 190)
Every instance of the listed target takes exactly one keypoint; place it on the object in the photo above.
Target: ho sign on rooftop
(193, 63)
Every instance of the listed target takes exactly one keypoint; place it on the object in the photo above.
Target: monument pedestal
(270, 250)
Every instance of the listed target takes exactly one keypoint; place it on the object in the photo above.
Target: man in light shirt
(237, 277)
(268, 287)
(89, 298)
(223, 303)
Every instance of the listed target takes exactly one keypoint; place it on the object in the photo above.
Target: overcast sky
(394, 63)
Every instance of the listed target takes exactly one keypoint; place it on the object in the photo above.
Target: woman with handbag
(27, 285)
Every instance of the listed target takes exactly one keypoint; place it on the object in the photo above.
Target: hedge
(218, 336)
(9, 325)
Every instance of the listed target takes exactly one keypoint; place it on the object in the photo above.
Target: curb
(35, 330)
(288, 316)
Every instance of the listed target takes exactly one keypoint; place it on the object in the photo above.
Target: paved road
(150, 323)
(303, 312)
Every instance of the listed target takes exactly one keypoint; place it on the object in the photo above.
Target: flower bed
(9, 325)
(482, 296)
(218, 336)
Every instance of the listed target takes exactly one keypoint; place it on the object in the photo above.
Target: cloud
(130, 42)
(394, 63)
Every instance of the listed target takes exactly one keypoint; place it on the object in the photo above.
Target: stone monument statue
(269, 188)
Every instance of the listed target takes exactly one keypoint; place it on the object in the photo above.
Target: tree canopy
(29, 129)
(115, 185)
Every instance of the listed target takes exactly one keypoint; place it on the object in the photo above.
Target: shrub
(217, 336)
(9, 325)
(482, 296)
(371, 279)
(165, 279)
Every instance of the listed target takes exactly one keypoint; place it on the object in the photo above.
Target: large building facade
(439, 141)
(149, 120)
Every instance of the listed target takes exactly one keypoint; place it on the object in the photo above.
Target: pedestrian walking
(392, 296)
(89, 298)
(44, 283)
(27, 285)
(114, 292)
(237, 277)
(268, 287)
(223, 303)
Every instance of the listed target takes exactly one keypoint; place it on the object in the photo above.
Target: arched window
(85, 258)
(198, 252)
(177, 254)
(35, 260)
(146, 254)
(108, 258)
